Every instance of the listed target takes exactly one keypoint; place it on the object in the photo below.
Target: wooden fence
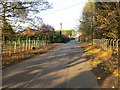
(12, 48)
(107, 44)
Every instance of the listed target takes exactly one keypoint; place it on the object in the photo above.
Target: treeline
(100, 20)
(55, 37)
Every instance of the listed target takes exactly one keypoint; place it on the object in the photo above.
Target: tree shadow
(76, 63)
(32, 68)
(85, 79)
(23, 76)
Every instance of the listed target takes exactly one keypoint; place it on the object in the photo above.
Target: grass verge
(22, 56)
(85, 43)
(105, 66)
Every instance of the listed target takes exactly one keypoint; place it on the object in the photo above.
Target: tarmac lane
(63, 67)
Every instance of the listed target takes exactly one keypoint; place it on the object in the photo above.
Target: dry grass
(14, 58)
(105, 66)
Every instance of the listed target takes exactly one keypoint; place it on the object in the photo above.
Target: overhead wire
(62, 9)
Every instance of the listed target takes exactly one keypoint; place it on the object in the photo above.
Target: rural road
(63, 67)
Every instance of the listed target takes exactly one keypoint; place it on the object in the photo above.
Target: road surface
(63, 67)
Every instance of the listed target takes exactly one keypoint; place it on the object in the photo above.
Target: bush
(65, 39)
(52, 38)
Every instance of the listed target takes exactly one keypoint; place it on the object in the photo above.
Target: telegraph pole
(60, 28)
(119, 20)
(91, 23)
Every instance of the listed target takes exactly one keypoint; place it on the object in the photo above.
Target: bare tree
(45, 29)
(35, 22)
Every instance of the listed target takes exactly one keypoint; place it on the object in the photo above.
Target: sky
(67, 12)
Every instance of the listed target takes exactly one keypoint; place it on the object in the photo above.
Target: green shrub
(52, 38)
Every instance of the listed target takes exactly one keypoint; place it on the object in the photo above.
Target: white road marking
(33, 79)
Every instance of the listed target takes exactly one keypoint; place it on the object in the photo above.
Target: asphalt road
(63, 67)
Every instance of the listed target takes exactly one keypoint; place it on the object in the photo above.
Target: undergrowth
(105, 66)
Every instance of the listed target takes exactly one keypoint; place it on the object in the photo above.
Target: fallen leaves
(98, 78)
(116, 73)
(113, 86)
(104, 64)
(18, 57)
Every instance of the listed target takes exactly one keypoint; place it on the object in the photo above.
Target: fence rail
(107, 44)
(13, 46)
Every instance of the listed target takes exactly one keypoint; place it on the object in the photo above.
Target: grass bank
(104, 64)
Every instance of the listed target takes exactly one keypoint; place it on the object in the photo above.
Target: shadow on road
(47, 68)
(78, 82)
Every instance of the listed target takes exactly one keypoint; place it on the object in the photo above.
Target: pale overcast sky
(66, 11)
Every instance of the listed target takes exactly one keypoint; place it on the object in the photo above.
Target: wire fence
(13, 49)
(107, 44)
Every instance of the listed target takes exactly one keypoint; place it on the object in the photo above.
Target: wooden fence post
(23, 45)
(33, 43)
(26, 45)
(46, 42)
(93, 42)
(10, 48)
(15, 44)
(117, 46)
(29, 45)
(41, 43)
(37, 43)
(111, 44)
(107, 44)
